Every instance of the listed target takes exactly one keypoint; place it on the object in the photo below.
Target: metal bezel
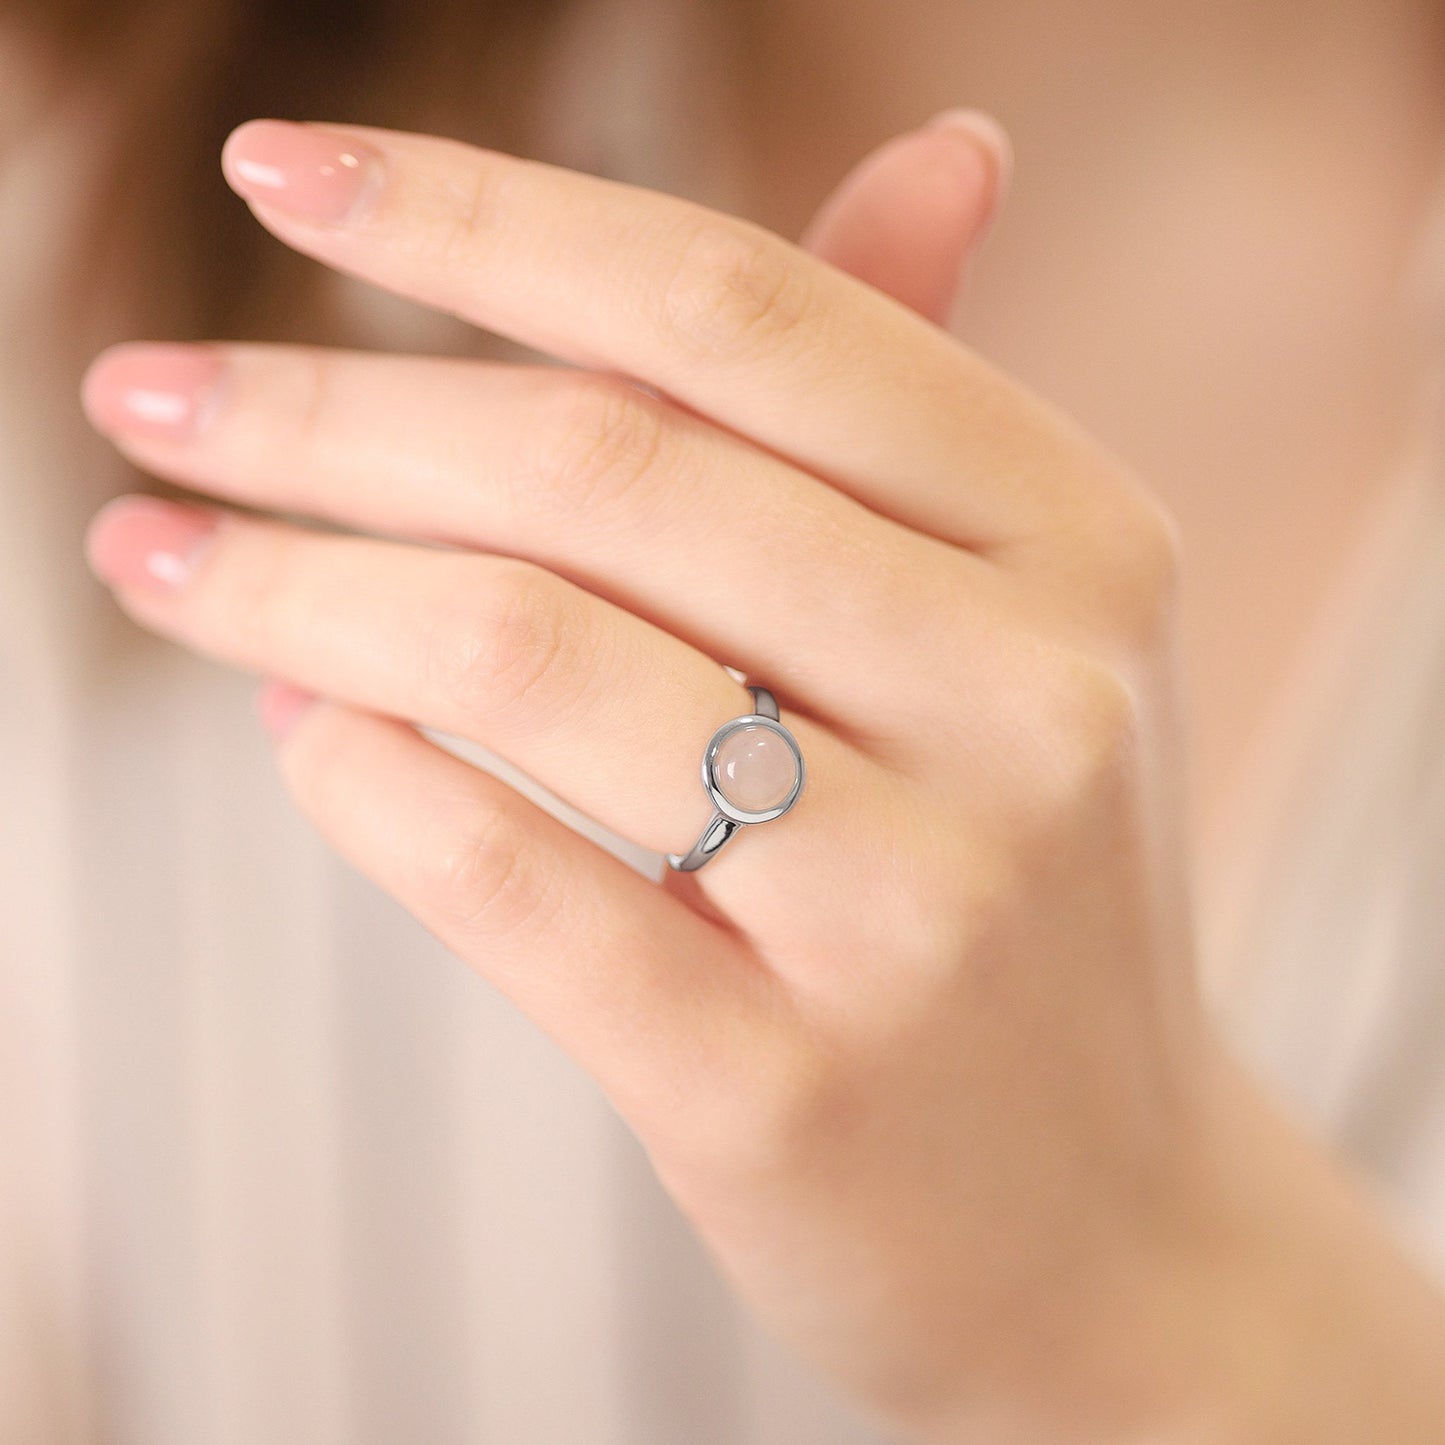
(709, 768)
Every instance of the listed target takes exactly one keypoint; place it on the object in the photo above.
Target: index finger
(715, 311)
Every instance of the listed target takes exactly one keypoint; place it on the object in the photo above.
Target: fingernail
(146, 543)
(984, 131)
(165, 392)
(281, 706)
(305, 171)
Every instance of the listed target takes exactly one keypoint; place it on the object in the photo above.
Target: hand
(922, 1060)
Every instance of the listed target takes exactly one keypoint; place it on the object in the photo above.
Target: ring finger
(602, 708)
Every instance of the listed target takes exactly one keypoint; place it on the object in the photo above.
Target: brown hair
(178, 75)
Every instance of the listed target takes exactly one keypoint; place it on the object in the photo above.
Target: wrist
(1277, 1305)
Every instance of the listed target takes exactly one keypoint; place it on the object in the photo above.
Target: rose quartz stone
(755, 769)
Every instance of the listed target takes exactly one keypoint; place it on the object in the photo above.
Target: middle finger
(720, 543)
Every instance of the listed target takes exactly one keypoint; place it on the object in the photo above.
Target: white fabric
(1334, 984)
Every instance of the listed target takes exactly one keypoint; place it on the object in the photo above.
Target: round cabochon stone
(755, 769)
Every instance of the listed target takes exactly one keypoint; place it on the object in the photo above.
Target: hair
(160, 204)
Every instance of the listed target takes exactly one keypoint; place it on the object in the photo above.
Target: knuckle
(1153, 550)
(306, 408)
(533, 652)
(516, 659)
(1088, 734)
(457, 234)
(596, 444)
(245, 605)
(478, 881)
(1141, 569)
(735, 291)
(1166, 544)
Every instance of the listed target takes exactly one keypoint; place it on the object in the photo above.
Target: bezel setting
(710, 781)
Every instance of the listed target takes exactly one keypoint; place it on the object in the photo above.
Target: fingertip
(146, 542)
(989, 138)
(238, 149)
(280, 706)
(159, 390)
(983, 128)
(311, 173)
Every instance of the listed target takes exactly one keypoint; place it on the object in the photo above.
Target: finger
(910, 217)
(663, 1007)
(606, 711)
(718, 313)
(656, 509)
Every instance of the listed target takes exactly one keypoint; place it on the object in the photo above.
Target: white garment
(1334, 983)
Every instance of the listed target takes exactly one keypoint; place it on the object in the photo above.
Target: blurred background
(273, 1168)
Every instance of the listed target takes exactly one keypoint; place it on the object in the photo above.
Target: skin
(1219, 202)
(924, 1060)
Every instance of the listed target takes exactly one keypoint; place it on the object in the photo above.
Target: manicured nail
(281, 706)
(146, 543)
(306, 171)
(986, 133)
(166, 392)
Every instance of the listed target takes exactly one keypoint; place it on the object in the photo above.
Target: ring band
(753, 772)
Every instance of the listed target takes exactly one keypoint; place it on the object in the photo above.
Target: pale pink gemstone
(756, 769)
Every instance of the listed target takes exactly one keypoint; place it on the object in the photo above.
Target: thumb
(909, 218)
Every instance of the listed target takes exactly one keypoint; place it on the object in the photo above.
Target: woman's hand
(923, 1059)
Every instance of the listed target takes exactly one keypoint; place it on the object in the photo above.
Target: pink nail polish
(305, 171)
(142, 542)
(281, 706)
(166, 392)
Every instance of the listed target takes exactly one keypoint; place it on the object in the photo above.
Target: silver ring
(753, 772)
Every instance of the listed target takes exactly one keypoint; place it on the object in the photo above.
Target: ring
(753, 772)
